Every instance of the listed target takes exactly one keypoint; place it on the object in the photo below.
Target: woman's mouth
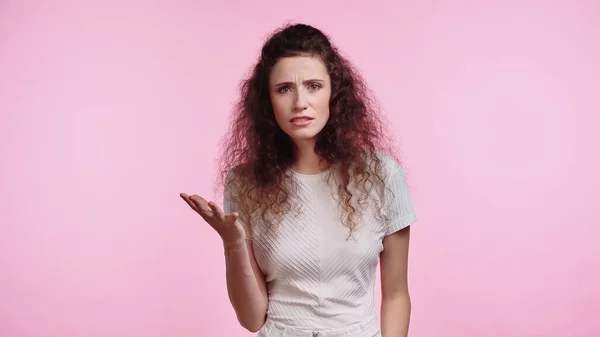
(301, 121)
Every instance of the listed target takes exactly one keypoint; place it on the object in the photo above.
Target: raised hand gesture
(226, 225)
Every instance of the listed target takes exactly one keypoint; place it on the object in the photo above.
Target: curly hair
(260, 154)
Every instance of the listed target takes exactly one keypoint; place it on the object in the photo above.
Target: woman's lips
(301, 121)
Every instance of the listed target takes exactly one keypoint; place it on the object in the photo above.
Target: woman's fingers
(220, 215)
(200, 203)
(208, 210)
(202, 206)
(187, 199)
(216, 211)
(231, 217)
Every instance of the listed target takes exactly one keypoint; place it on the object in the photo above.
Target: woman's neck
(307, 161)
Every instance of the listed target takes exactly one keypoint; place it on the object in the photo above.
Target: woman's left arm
(395, 299)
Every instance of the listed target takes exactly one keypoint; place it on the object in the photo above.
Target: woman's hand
(226, 225)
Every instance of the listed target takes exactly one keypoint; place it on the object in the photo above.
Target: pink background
(109, 109)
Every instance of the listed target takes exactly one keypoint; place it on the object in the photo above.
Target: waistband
(366, 328)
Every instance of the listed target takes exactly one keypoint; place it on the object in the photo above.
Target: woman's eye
(314, 86)
(284, 90)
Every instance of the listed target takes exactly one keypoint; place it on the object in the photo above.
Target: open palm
(226, 225)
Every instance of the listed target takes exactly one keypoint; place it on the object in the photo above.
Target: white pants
(367, 328)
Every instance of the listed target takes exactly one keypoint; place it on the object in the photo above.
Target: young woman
(313, 199)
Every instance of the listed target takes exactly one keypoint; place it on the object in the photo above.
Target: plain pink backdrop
(110, 109)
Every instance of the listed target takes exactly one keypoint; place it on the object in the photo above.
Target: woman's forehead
(298, 68)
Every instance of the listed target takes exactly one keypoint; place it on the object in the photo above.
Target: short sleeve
(229, 205)
(399, 209)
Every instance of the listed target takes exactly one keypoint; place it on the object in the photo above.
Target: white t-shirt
(316, 278)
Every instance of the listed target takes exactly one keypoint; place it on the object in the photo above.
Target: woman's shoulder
(235, 172)
(390, 164)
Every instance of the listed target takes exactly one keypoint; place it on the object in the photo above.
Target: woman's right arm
(246, 284)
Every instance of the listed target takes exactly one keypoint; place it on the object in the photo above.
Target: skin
(300, 86)
(246, 284)
(395, 298)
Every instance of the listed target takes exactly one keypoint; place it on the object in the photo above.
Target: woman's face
(300, 89)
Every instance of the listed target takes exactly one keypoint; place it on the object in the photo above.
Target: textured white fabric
(366, 328)
(317, 280)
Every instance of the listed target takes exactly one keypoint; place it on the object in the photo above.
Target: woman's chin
(303, 138)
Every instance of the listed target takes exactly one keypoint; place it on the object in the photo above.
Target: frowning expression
(300, 90)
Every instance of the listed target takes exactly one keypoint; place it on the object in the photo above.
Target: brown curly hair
(260, 154)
